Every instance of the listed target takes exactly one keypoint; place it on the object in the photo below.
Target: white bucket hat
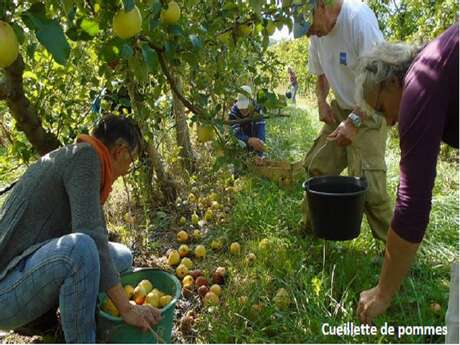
(243, 101)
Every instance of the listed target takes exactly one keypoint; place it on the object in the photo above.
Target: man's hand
(142, 316)
(344, 133)
(325, 113)
(256, 144)
(371, 304)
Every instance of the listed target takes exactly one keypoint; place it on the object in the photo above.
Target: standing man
(294, 85)
(340, 32)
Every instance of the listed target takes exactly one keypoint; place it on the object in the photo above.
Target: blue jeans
(65, 271)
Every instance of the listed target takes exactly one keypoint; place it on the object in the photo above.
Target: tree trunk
(166, 183)
(25, 114)
(182, 131)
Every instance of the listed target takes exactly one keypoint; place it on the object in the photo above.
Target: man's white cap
(243, 101)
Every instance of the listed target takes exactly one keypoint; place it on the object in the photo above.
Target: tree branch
(173, 85)
(252, 118)
(4, 90)
(25, 114)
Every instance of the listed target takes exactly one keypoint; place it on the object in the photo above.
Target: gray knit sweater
(57, 195)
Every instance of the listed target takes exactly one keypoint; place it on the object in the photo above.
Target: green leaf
(256, 6)
(156, 8)
(128, 5)
(150, 58)
(196, 41)
(49, 32)
(67, 5)
(19, 32)
(139, 68)
(90, 27)
(53, 38)
(126, 51)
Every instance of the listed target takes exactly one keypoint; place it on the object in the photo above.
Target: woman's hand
(372, 304)
(142, 316)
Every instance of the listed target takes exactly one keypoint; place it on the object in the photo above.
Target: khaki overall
(364, 157)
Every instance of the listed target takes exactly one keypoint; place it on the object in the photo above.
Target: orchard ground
(323, 279)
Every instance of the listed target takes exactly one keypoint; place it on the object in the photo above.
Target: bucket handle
(316, 154)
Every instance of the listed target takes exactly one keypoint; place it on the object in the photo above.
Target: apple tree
(165, 62)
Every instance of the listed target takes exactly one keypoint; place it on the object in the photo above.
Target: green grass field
(325, 278)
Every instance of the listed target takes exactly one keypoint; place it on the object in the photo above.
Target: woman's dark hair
(112, 129)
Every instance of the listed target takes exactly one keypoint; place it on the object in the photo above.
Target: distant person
(53, 236)
(293, 84)
(419, 90)
(250, 134)
(340, 32)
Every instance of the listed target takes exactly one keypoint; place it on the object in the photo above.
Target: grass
(324, 279)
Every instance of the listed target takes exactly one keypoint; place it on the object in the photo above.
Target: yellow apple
(210, 299)
(187, 281)
(204, 133)
(182, 236)
(235, 248)
(216, 244)
(147, 285)
(165, 300)
(200, 251)
(9, 47)
(183, 250)
(216, 289)
(263, 244)
(195, 219)
(181, 271)
(250, 258)
(187, 262)
(208, 215)
(129, 291)
(197, 234)
(127, 24)
(153, 298)
(173, 258)
(182, 220)
(192, 198)
(139, 295)
(282, 299)
(171, 15)
(110, 308)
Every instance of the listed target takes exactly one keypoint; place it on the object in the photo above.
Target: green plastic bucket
(111, 329)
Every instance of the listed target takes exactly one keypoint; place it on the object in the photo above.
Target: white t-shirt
(336, 54)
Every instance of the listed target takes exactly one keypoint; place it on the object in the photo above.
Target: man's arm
(260, 134)
(322, 90)
(236, 127)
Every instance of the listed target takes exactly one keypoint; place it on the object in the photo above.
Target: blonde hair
(382, 63)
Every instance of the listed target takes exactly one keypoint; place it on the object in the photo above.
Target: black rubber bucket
(336, 206)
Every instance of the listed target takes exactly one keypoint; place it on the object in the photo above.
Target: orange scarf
(106, 164)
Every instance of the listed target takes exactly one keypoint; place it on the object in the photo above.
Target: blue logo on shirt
(343, 58)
